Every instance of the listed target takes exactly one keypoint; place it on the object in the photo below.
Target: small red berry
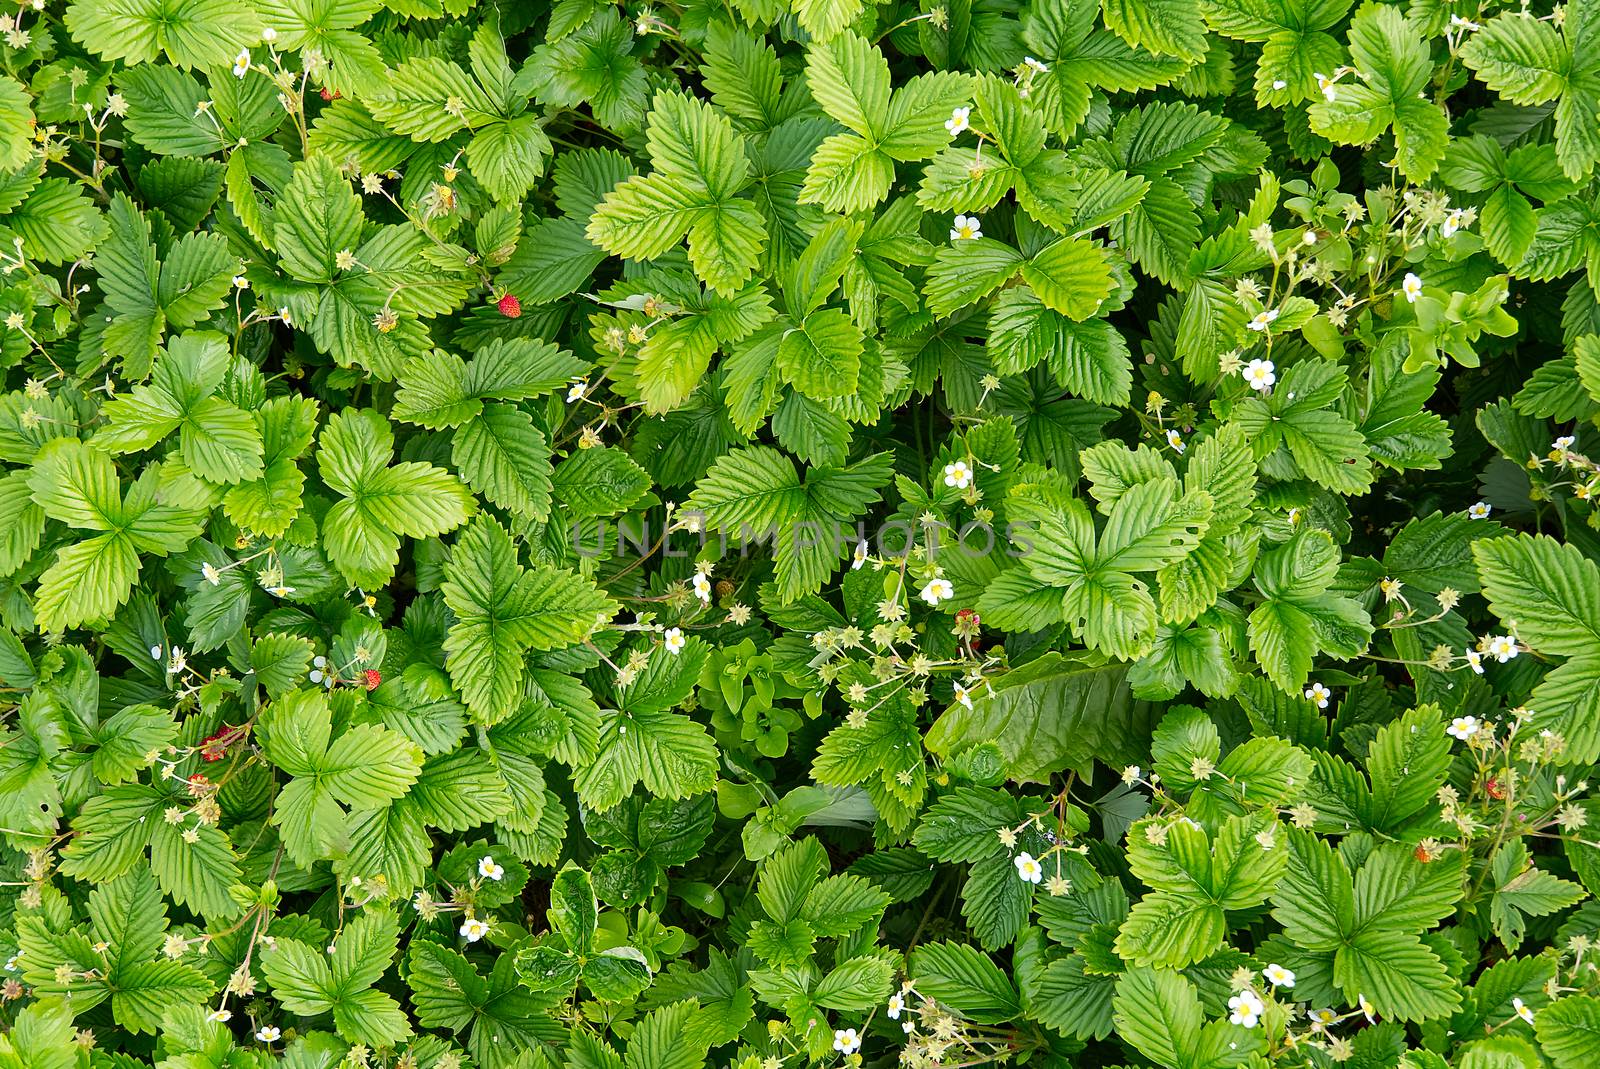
(327, 94)
(1422, 854)
(509, 306)
(215, 747)
(1496, 791)
(373, 677)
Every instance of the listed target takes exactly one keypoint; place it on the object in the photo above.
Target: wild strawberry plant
(786, 532)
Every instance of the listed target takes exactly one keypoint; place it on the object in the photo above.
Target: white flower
(11, 963)
(283, 314)
(937, 590)
(1132, 774)
(241, 63)
(846, 1040)
(268, 1034)
(1459, 23)
(1294, 516)
(963, 695)
(958, 475)
(1411, 286)
(908, 1027)
(1028, 868)
(1321, 1019)
(1175, 441)
(1279, 84)
(1480, 511)
(1463, 727)
(860, 556)
(897, 1006)
(177, 662)
(1260, 374)
(1037, 66)
(1278, 976)
(473, 929)
(1309, 237)
(1475, 659)
(965, 228)
(209, 573)
(155, 653)
(674, 640)
(957, 121)
(488, 869)
(220, 1016)
(1522, 1010)
(1502, 647)
(1246, 1009)
(269, 35)
(577, 391)
(1452, 222)
(1563, 443)
(702, 588)
(1318, 693)
(1263, 320)
(1326, 84)
(1368, 1010)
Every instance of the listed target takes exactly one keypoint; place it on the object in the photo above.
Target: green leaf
(755, 494)
(1408, 761)
(1071, 276)
(219, 441)
(318, 217)
(967, 979)
(1568, 1030)
(821, 356)
(699, 166)
(16, 122)
(192, 33)
(430, 99)
(669, 753)
(1394, 67)
(1549, 592)
(594, 65)
(1400, 976)
(1087, 705)
(1297, 620)
(1158, 1013)
(380, 502)
(599, 482)
(967, 271)
(503, 610)
(503, 456)
(364, 767)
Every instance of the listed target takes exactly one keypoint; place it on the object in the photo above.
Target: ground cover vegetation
(763, 533)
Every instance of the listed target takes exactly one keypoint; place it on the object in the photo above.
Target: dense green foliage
(773, 532)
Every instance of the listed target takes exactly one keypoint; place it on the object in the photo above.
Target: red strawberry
(373, 677)
(509, 306)
(327, 94)
(215, 747)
